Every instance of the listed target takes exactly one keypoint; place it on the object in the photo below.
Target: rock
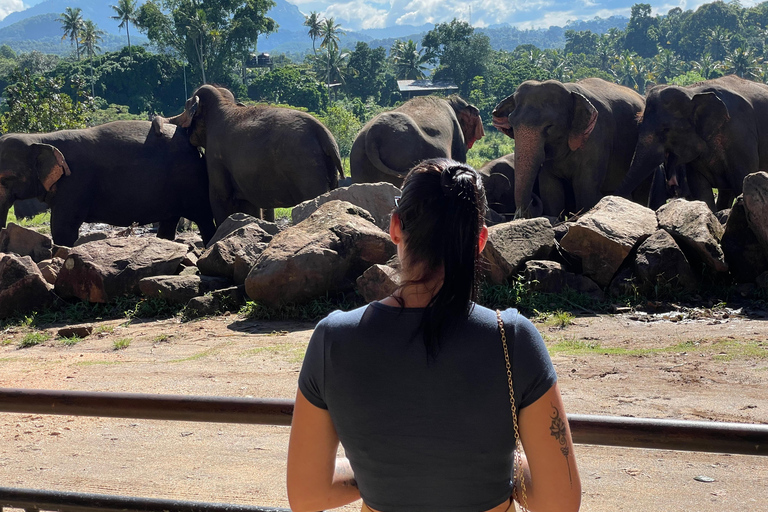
(661, 263)
(22, 286)
(102, 270)
(624, 283)
(226, 299)
(605, 235)
(239, 220)
(50, 269)
(513, 243)
(722, 216)
(756, 205)
(59, 251)
(81, 331)
(189, 271)
(25, 242)
(551, 277)
(378, 282)
(326, 252)
(246, 241)
(193, 241)
(190, 260)
(93, 236)
(762, 281)
(745, 256)
(561, 229)
(378, 199)
(696, 229)
(180, 289)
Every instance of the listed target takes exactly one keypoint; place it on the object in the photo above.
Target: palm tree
(126, 14)
(625, 70)
(666, 65)
(408, 60)
(72, 23)
(741, 62)
(706, 66)
(330, 32)
(718, 40)
(315, 24)
(91, 36)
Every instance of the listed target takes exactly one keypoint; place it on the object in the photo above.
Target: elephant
(717, 130)
(28, 208)
(259, 157)
(576, 138)
(499, 182)
(118, 173)
(159, 121)
(390, 144)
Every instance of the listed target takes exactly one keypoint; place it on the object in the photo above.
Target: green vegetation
(161, 338)
(121, 344)
(312, 311)
(560, 319)
(34, 338)
(72, 340)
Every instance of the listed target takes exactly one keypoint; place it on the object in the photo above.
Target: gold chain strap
(518, 471)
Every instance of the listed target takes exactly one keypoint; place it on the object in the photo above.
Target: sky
(359, 14)
(520, 13)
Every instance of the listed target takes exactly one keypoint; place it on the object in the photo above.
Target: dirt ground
(710, 366)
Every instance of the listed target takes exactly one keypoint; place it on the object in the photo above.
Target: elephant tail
(372, 152)
(332, 157)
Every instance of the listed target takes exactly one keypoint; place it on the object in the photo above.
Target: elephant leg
(725, 199)
(701, 189)
(221, 194)
(268, 214)
(65, 228)
(167, 228)
(552, 195)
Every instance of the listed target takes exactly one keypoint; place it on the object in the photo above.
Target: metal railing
(702, 436)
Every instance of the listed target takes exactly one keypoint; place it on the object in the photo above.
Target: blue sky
(521, 13)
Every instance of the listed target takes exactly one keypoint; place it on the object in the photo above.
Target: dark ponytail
(442, 210)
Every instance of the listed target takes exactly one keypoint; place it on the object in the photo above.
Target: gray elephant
(423, 127)
(118, 173)
(499, 181)
(576, 138)
(159, 121)
(259, 157)
(717, 130)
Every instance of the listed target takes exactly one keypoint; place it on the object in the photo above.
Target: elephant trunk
(649, 154)
(529, 156)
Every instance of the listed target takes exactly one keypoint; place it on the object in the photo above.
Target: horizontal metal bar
(703, 436)
(86, 502)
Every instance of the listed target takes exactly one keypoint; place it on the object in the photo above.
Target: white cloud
(359, 14)
(9, 6)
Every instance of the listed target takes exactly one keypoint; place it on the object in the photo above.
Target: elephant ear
(501, 116)
(191, 109)
(709, 114)
(583, 121)
(49, 164)
(471, 125)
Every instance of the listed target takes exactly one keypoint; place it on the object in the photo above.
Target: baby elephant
(118, 173)
(499, 180)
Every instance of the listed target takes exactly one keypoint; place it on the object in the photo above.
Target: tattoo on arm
(558, 430)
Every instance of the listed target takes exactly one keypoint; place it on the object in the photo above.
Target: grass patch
(104, 329)
(161, 338)
(283, 213)
(72, 340)
(574, 347)
(98, 363)
(720, 350)
(518, 293)
(310, 312)
(34, 338)
(292, 353)
(121, 344)
(560, 319)
(6, 342)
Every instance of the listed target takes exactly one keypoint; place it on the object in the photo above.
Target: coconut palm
(90, 37)
(741, 62)
(330, 32)
(409, 61)
(718, 40)
(666, 65)
(706, 66)
(125, 13)
(625, 69)
(72, 23)
(315, 23)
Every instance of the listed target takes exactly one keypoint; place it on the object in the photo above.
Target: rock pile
(337, 245)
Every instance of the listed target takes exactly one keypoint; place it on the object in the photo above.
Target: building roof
(426, 85)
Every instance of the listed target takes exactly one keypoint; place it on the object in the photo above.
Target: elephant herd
(575, 143)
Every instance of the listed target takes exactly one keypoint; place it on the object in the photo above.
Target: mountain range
(38, 28)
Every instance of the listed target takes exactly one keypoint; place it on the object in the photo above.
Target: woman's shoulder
(509, 316)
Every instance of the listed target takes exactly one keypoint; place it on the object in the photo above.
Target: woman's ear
(482, 239)
(395, 231)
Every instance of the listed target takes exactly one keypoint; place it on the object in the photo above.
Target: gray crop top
(425, 434)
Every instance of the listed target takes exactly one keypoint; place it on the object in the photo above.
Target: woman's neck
(417, 292)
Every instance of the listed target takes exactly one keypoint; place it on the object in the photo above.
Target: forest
(213, 42)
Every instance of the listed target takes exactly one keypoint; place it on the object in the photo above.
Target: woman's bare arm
(552, 479)
(317, 480)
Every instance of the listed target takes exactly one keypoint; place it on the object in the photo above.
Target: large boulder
(696, 229)
(661, 263)
(102, 270)
(324, 253)
(513, 243)
(244, 243)
(25, 242)
(180, 289)
(50, 269)
(552, 277)
(22, 286)
(605, 235)
(239, 220)
(756, 205)
(378, 199)
(378, 282)
(745, 256)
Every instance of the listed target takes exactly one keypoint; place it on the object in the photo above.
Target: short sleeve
(312, 376)
(533, 372)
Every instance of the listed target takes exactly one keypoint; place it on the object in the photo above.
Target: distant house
(411, 88)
